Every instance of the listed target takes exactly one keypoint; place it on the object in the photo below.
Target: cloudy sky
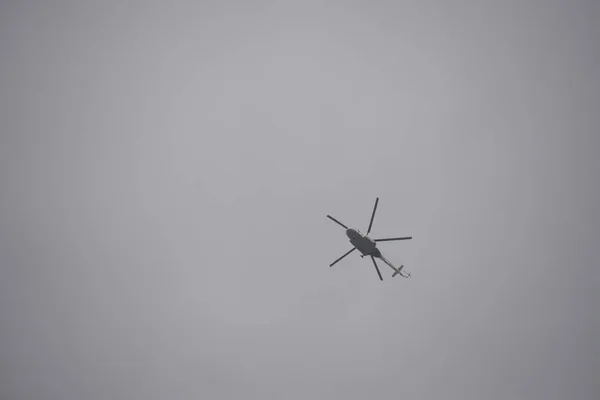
(166, 169)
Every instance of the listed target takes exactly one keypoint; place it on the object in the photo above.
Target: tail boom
(397, 271)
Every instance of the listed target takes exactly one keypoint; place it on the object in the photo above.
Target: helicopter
(368, 246)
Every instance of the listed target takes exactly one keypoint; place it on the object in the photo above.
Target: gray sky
(166, 170)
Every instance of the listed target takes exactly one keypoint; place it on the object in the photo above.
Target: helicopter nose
(350, 233)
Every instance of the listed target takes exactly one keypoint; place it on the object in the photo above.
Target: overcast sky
(166, 169)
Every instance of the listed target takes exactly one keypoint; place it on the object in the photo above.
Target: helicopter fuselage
(363, 243)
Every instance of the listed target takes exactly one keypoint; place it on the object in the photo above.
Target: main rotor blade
(376, 267)
(336, 221)
(373, 215)
(389, 239)
(339, 259)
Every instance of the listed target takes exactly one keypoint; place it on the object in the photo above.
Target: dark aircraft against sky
(368, 246)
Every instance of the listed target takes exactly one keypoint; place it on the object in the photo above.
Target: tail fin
(397, 271)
